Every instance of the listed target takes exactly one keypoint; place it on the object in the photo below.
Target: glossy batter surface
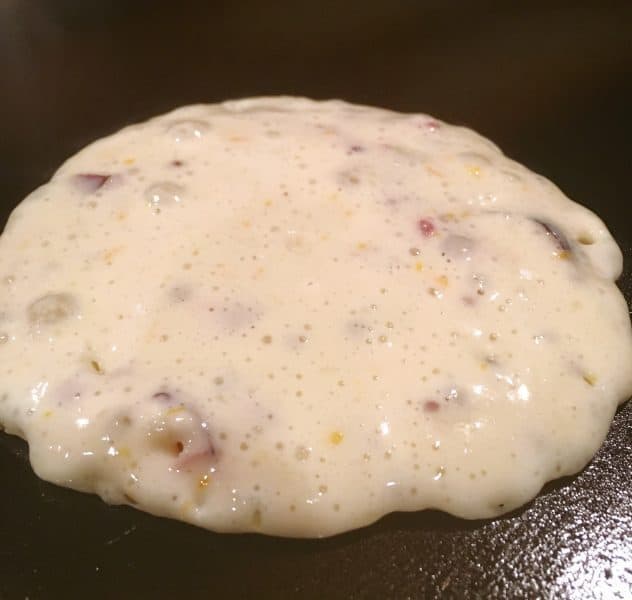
(293, 317)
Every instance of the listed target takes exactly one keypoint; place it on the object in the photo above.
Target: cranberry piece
(91, 182)
(188, 459)
(355, 149)
(552, 231)
(427, 227)
(431, 406)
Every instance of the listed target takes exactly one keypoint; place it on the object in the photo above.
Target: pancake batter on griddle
(293, 317)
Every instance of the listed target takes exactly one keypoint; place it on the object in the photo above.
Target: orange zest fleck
(336, 437)
(442, 280)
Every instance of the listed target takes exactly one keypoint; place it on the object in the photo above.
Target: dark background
(550, 82)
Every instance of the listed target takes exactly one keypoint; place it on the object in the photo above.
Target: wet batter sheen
(293, 317)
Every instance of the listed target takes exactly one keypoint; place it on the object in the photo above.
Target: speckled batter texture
(293, 317)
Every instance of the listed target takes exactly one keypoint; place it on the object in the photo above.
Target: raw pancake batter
(294, 317)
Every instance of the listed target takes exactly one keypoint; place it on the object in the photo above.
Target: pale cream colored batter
(294, 317)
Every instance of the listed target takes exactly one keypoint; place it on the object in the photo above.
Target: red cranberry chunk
(91, 182)
(553, 232)
(427, 227)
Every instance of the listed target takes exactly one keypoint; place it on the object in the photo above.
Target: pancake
(293, 317)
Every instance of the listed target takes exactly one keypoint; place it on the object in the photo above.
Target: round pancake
(293, 317)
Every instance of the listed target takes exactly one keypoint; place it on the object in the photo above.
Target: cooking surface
(550, 85)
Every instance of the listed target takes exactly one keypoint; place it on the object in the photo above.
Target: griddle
(550, 82)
